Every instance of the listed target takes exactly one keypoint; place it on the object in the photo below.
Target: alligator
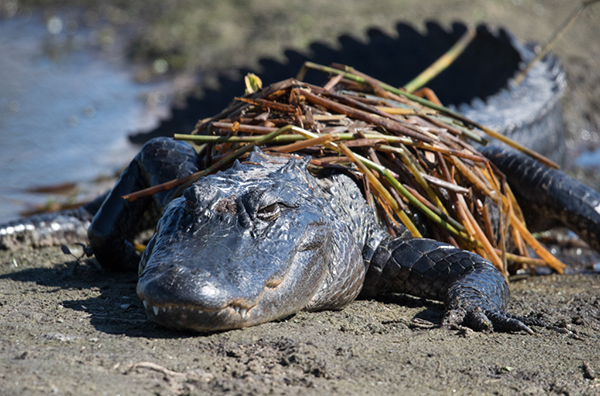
(266, 239)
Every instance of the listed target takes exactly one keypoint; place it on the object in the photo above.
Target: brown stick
(481, 237)
(382, 191)
(428, 94)
(328, 160)
(451, 151)
(403, 112)
(237, 107)
(303, 144)
(386, 123)
(364, 142)
(267, 104)
(523, 259)
(244, 127)
(411, 98)
(213, 168)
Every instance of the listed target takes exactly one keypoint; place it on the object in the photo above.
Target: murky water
(589, 159)
(66, 108)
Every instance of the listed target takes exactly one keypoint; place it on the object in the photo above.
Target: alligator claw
(474, 319)
(489, 320)
(507, 322)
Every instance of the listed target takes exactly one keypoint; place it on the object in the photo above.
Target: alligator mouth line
(158, 309)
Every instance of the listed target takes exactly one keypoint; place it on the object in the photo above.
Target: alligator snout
(181, 297)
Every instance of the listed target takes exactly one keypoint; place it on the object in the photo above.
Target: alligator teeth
(164, 309)
(200, 311)
(155, 309)
(243, 312)
(145, 304)
(236, 309)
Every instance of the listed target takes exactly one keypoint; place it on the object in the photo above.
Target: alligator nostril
(273, 283)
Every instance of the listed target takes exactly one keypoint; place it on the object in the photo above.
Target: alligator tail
(50, 229)
(549, 197)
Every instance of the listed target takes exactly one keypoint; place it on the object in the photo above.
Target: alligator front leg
(473, 290)
(117, 220)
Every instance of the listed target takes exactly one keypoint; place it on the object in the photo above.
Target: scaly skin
(266, 239)
(551, 198)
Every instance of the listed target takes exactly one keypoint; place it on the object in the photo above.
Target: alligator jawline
(193, 316)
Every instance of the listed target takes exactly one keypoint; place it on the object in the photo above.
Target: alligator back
(529, 113)
(479, 83)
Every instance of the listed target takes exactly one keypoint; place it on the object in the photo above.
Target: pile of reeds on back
(410, 154)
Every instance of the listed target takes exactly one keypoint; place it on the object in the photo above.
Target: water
(589, 159)
(66, 108)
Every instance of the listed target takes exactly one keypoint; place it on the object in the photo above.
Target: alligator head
(241, 247)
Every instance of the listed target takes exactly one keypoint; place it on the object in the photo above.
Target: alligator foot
(474, 292)
(489, 320)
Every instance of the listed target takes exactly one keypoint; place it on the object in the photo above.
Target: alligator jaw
(175, 299)
(270, 305)
(195, 318)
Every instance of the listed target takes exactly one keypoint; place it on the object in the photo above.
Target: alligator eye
(268, 213)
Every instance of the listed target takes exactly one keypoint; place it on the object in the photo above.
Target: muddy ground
(75, 329)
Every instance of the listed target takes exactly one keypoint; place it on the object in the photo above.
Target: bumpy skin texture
(118, 220)
(552, 198)
(472, 293)
(255, 243)
(529, 112)
(526, 112)
(265, 239)
(66, 227)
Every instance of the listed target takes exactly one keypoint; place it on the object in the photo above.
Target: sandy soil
(75, 329)
(69, 329)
